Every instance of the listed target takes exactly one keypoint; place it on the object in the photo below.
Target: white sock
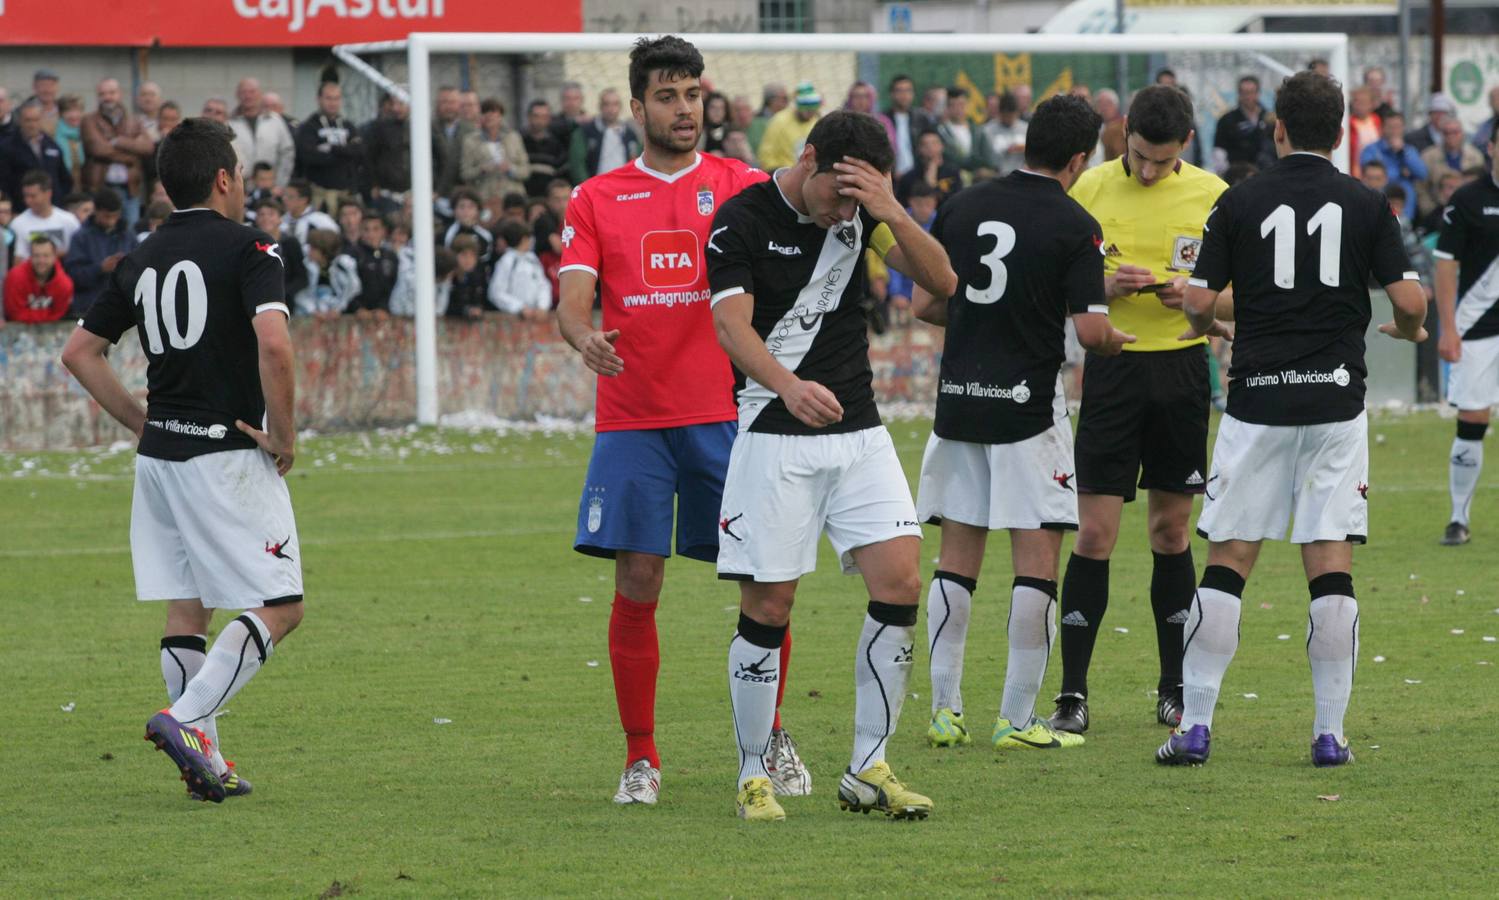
(242, 648)
(754, 675)
(182, 657)
(948, 605)
(1212, 637)
(1462, 478)
(1031, 630)
(1332, 648)
(882, 666)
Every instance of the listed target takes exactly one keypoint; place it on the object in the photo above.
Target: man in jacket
(1452, 154)
(330, 151)
(494, 157)
(261, 135)
(387, 143)
(1400, 159)
(603, 143)
(449, 131)
(963, 144)
(29, 149)
(1245, 133)
(96, 249)
(116, 148)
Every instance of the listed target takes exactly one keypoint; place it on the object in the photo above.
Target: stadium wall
(356, 374)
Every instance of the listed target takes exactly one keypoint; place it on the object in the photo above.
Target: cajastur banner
(268, 23)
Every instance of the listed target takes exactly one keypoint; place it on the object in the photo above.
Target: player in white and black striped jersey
(1300, 244)
(211, 523)
(786, 269)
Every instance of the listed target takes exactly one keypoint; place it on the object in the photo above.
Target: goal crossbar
(419, 48)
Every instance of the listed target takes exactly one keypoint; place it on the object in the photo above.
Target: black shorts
(1144, 414)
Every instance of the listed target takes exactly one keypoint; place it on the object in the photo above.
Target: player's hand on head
(868, 185)
(1393, 330)
(813, 404)
(1126, 280)
(1449, 346)
(1172, 296)
(282, 451)
(599, 355)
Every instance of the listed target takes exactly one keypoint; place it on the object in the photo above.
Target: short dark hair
(1393, 114)
(191, 157)
(444, 261)
(512, 200)
(1008, 103)
(902, 77)
(77, 198)
(302, 186)
(107, 200)
(558, 183)
(329, 243)
(1160, 114)
(1061, 128)
(465, 194)
(465, 243)
(158, 211)
(324, 84)
(349, 200)
(262, 166)
(670, 55)
(1393, 192)
(537, 102)
(1239, 171)
(42, 237)
(859, 135)
(1314, 62)
(1374, 164)
(512, 233)
(1250, 79)
(38, 179)
(957, 90)
(269, 202)
(492, 105)
(170, 104)
(1168, 73)
(919, 188)
(1311, 107)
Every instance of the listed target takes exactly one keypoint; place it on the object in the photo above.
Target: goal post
(421, 46)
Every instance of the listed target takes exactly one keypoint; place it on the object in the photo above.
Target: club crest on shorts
(595, 514)
(705, 200)
(1184, 252)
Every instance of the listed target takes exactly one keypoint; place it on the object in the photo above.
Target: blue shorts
(632, 480)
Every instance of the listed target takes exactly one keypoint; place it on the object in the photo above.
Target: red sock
(781, 685)
(635, 658)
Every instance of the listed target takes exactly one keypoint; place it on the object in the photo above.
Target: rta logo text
(669, 259)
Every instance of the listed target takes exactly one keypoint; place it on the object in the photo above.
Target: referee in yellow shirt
(1145, 412)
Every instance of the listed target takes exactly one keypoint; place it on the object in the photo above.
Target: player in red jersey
(666, 416)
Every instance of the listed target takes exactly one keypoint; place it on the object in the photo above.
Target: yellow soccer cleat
(947, 729)
(877, 788)
(757, 801)
(1038, 735)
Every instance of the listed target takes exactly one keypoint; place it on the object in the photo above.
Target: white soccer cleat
(788, 774)
(641, 783)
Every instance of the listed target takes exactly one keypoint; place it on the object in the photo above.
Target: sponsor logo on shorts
(726, 525)
(1363, 490)
(756, 671)
(1065, 480)
(1195, 478)
(278, 548)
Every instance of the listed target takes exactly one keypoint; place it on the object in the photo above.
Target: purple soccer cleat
(1328, 751)
(1185, 748)
(189, 750)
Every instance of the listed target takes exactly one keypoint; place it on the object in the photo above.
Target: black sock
(1173, 580)
(1085, 596)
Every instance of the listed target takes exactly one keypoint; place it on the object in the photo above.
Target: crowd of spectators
(78, 186)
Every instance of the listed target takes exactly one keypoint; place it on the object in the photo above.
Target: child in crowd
(519, 285)
(469, 284)
(332, 276)
(403, 298)
(156, 214)
(262, 187)
(466, 208)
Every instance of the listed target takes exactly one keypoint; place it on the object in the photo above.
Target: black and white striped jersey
(807, 282)
(1470, 235)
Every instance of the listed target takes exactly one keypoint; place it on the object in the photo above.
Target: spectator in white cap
(1438, 109)
(788, 129)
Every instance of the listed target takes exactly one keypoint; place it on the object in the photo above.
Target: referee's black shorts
(1145, 414)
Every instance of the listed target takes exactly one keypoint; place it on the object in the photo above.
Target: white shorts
(783, 491)
(217, 528)
(1263, 476)
(1028, 484)
(1473, 383)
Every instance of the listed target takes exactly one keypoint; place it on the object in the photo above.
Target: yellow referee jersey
(1158, 227)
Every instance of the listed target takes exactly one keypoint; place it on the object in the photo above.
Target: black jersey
(190, 291)
(1299, 243)
(1470, 235)
(807, 282)
(1027, 256)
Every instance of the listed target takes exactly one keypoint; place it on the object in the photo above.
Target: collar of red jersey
(669, 179)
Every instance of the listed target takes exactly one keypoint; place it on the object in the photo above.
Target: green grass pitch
(442, 586)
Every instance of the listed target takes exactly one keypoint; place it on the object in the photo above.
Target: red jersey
(27, 300)
(641, 233)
